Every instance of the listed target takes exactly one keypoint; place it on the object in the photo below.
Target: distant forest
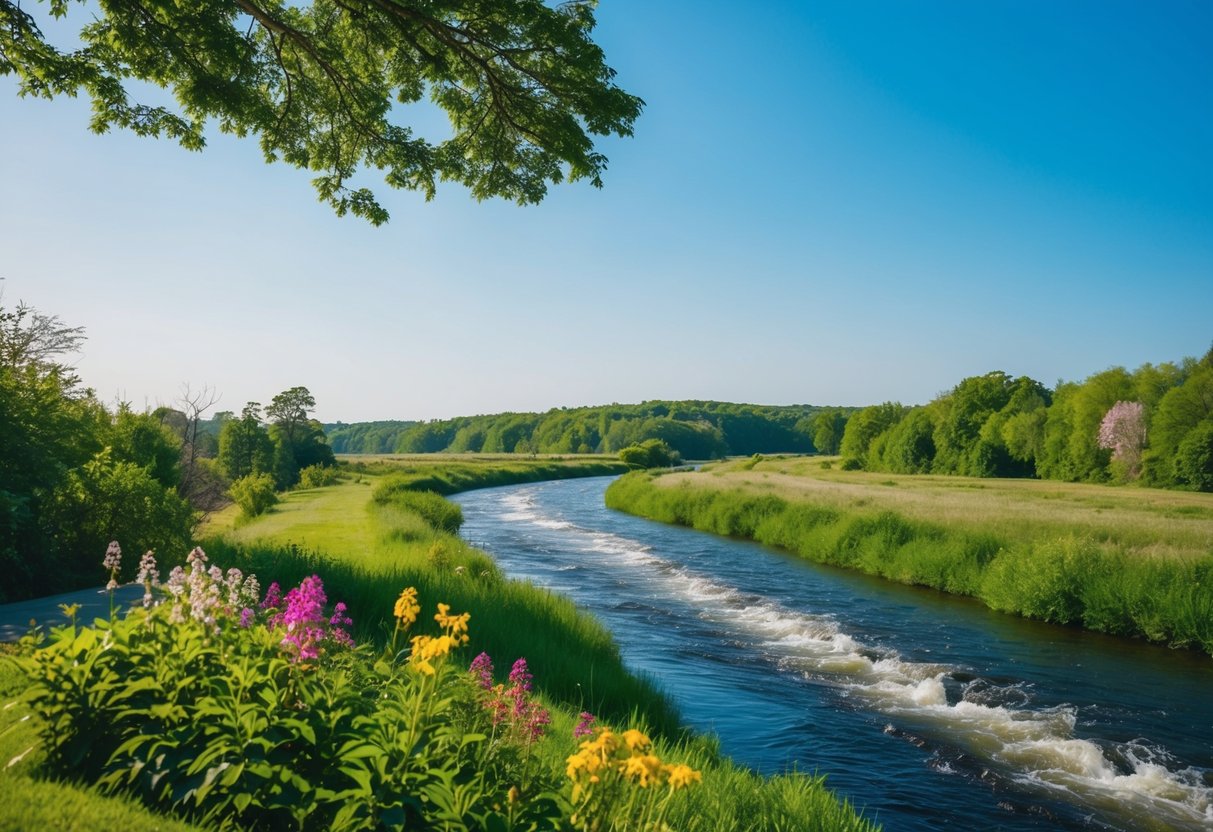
(696, 429)
(1152, 425)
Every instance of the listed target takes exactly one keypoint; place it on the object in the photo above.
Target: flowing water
(925, 710)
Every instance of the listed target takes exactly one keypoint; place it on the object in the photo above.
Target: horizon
(818, 205)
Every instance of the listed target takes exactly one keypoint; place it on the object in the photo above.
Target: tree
(828, 427)
(1193, 460)
(320, 82)
(1123, 431)
(863, 427)
(245, 446)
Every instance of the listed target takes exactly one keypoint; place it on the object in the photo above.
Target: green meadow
(1127, 561)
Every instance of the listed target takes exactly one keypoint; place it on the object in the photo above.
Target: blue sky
(828, 203)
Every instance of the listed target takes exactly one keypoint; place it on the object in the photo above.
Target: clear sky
(829, 203)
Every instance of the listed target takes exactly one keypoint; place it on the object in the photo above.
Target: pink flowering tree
(1123, 431)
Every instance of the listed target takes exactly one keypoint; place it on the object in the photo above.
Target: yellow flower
(680, 776)
(456, 626)
(641, 769)
(636, 740)
(407, 607)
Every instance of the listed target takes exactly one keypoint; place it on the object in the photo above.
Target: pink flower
(482, 669)
(584, 727)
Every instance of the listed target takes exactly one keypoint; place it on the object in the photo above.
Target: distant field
(1146, 521)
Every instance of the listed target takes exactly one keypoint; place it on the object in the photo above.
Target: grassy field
(1146, 522)
(1126, 561)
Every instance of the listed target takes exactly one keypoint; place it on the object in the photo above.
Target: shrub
(317, 476)
(254, 494)
(850, 464)
(263, 714)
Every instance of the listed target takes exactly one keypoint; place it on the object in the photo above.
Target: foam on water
(1035, 747)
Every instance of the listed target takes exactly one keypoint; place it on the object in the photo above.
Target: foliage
(245, 712)
(322, 85)
(245, 446)
(254, 493)
(696, 429)
(299, 441)
(365, 437)
(827, 429)
(651, 453)
(318, 476)
(1123, 431)
(1194, 458)
(863, 427)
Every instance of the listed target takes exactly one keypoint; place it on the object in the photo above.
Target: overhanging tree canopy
(522, 82)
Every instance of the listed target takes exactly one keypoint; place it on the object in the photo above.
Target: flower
(113, 556)
(407, 608)
(148, 573)
(641, 769)
(583, 728)
(680, 776)
(482, 669)
(455, 625)
(273, 597)
(520, 676)
(246, 618)
(636, 740)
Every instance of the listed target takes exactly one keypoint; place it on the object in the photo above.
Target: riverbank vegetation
(557, 737)
(1127, 562)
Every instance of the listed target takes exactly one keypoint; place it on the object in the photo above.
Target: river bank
(1128, 562)
(927, 710)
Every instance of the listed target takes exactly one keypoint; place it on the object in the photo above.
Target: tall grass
(1071, 579)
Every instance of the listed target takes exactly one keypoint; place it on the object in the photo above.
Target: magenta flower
(482, 669)
(273, 597)
(520, 677)
(585, 727)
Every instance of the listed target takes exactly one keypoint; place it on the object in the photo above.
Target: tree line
(694, 429)
(76, 474)
(1152, 425)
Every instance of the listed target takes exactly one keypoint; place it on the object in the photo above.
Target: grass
(368, 539)
(1141, 521)
(1125, 561)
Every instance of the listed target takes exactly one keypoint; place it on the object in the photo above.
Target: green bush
(254, 494)
(318, 476)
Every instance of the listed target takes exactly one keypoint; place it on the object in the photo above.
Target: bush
(652, 453)
(318, 476)
(272, 718)
(254, 494)
(851, 464)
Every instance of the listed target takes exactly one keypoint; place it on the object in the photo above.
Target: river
(925, 710)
